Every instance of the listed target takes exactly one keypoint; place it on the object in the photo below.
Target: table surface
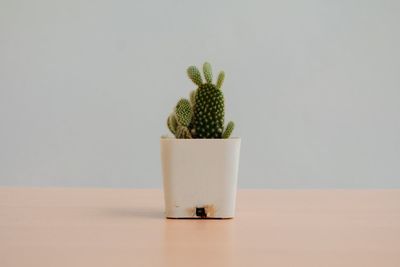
(126, 227)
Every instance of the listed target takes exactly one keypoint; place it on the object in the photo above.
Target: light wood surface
(125, 227)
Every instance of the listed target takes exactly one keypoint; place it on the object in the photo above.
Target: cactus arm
(170, 124)
(172, 130)
(194, 75)
(193, 97)
(207, 72)
(183, 112)
(228, 130)
(220, 81)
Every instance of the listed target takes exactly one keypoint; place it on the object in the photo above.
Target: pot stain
(191, 212)
(204, 212)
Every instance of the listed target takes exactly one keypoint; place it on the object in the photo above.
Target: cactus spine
(203, 115)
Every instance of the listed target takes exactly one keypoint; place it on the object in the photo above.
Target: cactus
(179, 121)
(194, 75)
(183, 132)
(172, 123)
(192, 97)
(208, 111)
(220, 81)
(203, 115)
(228, 130)
(183, 112)
(207, 72)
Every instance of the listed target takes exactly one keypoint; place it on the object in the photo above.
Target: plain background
(313, 86)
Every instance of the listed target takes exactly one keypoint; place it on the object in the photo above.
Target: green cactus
(192, 97)
(208, 111)
(172, 123)
(183, 112)
(179, 121)
(228, 130)
(203, 115)
(194, 75)
(207, 72)
(220, 81)
(183, 132)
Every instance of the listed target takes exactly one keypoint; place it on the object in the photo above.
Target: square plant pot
(200, 177)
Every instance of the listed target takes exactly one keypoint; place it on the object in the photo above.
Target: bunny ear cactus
(208, 111)
(203, 116)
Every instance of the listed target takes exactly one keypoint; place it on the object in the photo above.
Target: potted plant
(200, 165)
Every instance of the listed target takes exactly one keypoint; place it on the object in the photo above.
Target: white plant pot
(200, 177)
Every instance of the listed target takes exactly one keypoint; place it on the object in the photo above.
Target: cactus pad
(208, 118)
(183, 112)
(172, 123)
(228, 130)
(193, 97)
(194, 75)
(220, 81)
(207, 72)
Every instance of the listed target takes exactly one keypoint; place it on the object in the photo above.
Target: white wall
(313, 86)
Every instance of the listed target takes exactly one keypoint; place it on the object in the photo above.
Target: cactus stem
(207, 72)
(228, 130)
(220, 81)
(194, 75)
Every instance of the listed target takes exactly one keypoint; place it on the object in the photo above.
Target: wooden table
(125, 227)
